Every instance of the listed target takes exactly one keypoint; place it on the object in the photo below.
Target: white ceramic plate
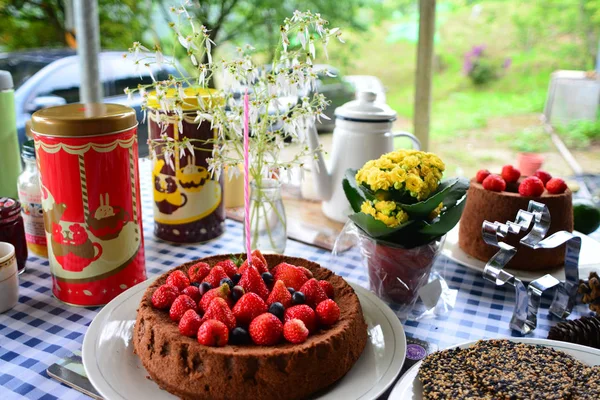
(409, 387)
(117, 373)
(588, 259)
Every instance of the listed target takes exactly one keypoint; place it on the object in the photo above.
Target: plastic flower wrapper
(403, 210)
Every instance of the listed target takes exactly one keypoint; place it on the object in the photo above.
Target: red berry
(291, 276)
(327, 288)
(164, 296)
(303, 313)
(266, 329)
(556, 186)
(251, 281)
(178, 279)
(544, 176)
(198, 271)
(481, 175)
(193, 292)
(248, 307)
(294, 331)
(494, 183)
(280, 294)
(313, 293)
(531, 187)
(189, 323)
(258, 261)
(229, 267)
(213, 333)
(222, 291)
(181, 304)
(215, 275)
(307, 272)
(328, 312)
(219, 310)
(510, 174)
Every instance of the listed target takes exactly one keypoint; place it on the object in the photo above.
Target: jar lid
(6, 81)
(364, 109)
(193, 96)
(28, 149)
(9, 207)
(76, 120)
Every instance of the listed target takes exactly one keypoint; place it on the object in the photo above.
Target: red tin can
(89, 177)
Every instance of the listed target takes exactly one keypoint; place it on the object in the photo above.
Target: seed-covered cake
(281, 328)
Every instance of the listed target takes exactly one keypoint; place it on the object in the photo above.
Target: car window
(20, 69)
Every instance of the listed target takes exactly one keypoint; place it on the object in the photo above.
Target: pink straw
(246, 177)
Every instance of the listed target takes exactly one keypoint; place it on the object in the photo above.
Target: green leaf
(354, 192)
(373, 227)
(445, 222)
(449, 192)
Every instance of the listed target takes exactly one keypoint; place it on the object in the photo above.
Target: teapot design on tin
(107, 221)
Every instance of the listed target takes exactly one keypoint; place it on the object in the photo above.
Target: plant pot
(395, 273)
(529, 163)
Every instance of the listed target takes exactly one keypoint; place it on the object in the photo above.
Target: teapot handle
(415, 141)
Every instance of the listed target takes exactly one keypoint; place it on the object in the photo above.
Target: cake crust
(189, 370)
(503, 206)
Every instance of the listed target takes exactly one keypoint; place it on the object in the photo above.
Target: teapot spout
(321, 177)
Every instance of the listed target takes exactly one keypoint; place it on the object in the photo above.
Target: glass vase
(268, 226)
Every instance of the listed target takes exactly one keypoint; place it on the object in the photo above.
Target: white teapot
(362, 133)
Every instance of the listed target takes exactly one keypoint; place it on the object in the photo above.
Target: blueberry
(277, 310)
(205, 287)
(196, 284)
(298, 298)
(267, 277)
(236, 278)
(228, 281)
(239, 336)
(291, 290)
(237, 292)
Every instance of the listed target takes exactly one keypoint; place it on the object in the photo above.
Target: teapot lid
(364, 109)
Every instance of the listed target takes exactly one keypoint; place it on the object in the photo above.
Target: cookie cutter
(528, 299)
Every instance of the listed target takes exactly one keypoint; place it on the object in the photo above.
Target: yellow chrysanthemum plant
(401, 198)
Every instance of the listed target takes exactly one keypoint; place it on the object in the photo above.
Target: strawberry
(494, 183)
(178, 279)
(228, 266)
(307, 272)
(556, 186)
(328, 312)
(219, 310)
(280, 294)
(531, 187)
(221, 291)
(248, 307)
(544, 176)
(313, 293)
(215, 275)
(481, 175)
(198, 271)
(258, 261)
(251, 281)
(327, 288)
(291, 276)
(193, 292)
(266, 329)
(510, 174)
(164, 296)
(189, 323)
(181, 304)
(294, 331)
(213, 333)
(303, 313)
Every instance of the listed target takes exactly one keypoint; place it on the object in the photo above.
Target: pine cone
(585, 331)
(591, 292)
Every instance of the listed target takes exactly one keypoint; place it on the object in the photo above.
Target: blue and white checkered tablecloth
(40, 330)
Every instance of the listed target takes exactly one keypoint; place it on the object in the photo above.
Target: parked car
(45, 78)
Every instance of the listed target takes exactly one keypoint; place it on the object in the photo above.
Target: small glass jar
(30, 196)
(268, 225)
(12, 229)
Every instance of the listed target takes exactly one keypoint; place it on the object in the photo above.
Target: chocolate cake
(189, 370)
(503, 206)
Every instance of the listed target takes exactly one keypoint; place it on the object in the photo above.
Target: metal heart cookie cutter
(527, 300)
